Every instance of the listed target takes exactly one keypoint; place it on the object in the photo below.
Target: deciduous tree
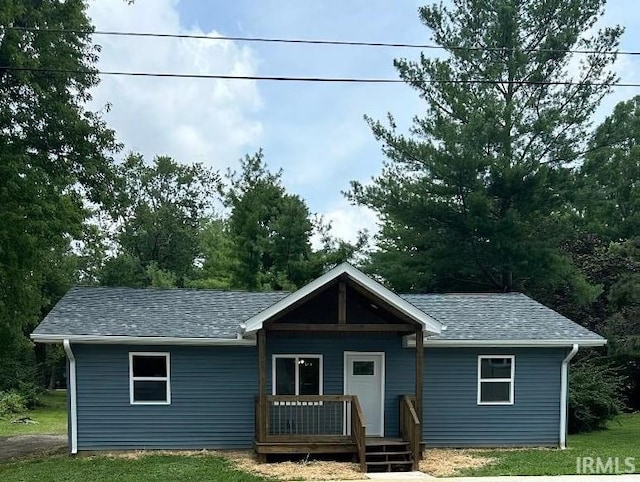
(54, 152)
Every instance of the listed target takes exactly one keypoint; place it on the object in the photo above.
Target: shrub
(594, 395)
(11, 402)
(31, 393)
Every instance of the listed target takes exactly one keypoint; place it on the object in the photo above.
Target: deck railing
(291, 416)
(410, 427)
(312, 418)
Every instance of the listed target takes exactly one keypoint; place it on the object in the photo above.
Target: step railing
(410, 428)
(358, 432)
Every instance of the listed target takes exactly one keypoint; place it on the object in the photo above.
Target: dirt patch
(246, 461)
(23, 446)
(301, 470)
(448, 462)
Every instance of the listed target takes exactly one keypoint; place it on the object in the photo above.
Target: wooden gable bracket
(342, 301)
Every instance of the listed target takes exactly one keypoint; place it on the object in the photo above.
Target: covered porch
(334, 376)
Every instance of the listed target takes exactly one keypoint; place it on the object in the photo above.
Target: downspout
(73, 398)
(564, 395)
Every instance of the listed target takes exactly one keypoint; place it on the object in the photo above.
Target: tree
(270, 228)
(217, 251)
(270, 232)
(159, 209)
(610, 201)
(54, 152)
(472, 198)
(613, 270)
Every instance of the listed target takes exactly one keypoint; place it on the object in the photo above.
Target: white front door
(364, 377)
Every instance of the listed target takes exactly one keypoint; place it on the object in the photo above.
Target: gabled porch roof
(352, 275)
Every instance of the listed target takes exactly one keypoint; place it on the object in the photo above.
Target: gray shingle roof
(177, 313)
(216, 314)
(497, 316)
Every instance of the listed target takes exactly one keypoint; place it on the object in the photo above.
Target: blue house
(341, 365)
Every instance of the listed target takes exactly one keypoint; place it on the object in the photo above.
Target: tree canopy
(54, 151)
(470, 198)
(159, 209)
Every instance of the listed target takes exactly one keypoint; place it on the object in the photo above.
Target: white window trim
(297, 376)
(167, 379)
(510, 380)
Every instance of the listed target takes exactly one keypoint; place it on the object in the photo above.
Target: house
(341, 365)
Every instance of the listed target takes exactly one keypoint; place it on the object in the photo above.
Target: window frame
(296, 357)
(511, 380)
(167, 379)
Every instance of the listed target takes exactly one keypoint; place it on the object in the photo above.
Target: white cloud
(193, 120)
(347, 220)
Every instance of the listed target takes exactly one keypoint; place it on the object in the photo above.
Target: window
(495, 379)
(363, 368)
(149, 379)
(297, 375)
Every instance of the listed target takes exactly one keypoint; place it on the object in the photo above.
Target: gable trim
(427, 322)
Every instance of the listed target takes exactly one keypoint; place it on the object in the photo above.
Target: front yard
(137, 469)
(622, 440)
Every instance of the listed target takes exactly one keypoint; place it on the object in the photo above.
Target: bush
(594, 395)
(31, 393)
(11, 402)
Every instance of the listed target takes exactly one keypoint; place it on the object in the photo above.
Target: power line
(343, 80)
(309, 79)
(316, 42)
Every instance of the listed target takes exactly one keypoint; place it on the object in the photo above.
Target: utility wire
(315, 42)
(308, 79)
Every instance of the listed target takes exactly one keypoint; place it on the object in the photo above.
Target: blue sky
(314, 132)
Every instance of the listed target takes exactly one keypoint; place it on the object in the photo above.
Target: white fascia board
(429, 324)
(141, 340)
(410, 342)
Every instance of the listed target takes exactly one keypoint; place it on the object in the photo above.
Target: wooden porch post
(419, 364)
(262, 381)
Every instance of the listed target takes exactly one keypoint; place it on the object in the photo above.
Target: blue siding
(212, 399)
(453, 418)
(213, 391)
(399, 362)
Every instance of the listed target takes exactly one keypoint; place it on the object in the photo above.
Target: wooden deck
(321, 445)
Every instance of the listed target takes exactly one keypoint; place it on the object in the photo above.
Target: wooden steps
(388, 455)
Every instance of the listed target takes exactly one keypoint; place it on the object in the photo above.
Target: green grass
(51, 417)
(622, 440)
(150, 467)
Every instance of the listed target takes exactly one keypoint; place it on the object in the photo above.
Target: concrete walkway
(548, 478)
(400, 476)
(415, 476)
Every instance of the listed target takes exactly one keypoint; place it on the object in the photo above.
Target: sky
(315, 133)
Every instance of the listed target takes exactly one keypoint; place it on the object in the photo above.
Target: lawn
(51, 417)
(622, 440)
(143, 468)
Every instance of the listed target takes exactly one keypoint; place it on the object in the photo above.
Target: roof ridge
(155, 288)
(462, 293)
